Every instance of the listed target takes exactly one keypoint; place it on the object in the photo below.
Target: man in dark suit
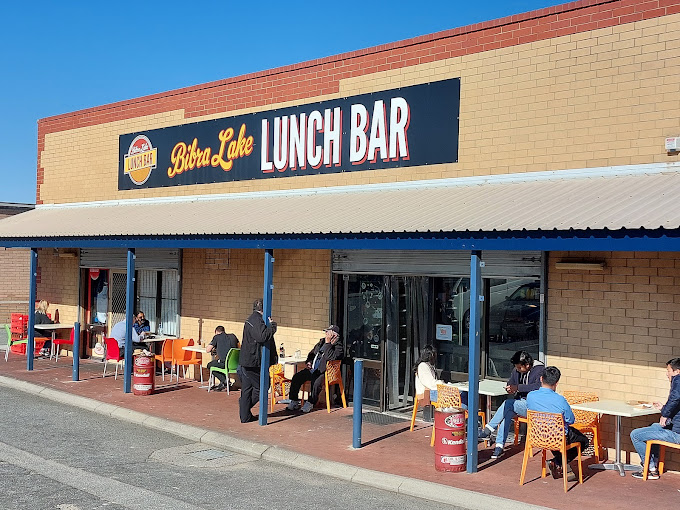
(327, 349)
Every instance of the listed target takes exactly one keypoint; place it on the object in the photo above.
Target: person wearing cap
(327, 349)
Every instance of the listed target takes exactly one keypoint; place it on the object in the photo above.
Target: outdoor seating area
(389, 447)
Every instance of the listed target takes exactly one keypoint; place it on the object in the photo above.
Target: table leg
(488, 407)
(617, 465)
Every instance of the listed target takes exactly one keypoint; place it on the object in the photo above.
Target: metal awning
(520, 205)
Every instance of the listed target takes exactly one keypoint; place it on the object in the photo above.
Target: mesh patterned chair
(662, 454)
(279, 384)
(165, 356)
(449, 396)
(334, 376)
(586, 421)
(546, 432)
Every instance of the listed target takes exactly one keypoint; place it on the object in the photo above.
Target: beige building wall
(612, 331)
(219, 287)
(58, 279)
(592, 99)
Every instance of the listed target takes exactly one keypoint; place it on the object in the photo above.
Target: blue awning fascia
(624, 240)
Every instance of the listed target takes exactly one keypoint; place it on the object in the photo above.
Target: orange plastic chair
(113, 353)
(449, 396)
(334, 376)
(165, 355)
(420, 400)
(182, 358)
(518, 420)
(586, 421)
(546, 432)
(662, 454)
(279, 384)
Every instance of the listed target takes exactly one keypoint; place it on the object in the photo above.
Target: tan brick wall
(14, 282)
(219, 286)
(612, 331)
(590, 99)
(58, 284)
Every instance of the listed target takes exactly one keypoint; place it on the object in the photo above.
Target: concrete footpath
(380, 480)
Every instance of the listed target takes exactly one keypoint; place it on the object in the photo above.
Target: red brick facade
(322, 76)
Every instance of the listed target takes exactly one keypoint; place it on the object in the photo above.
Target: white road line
(107, 489)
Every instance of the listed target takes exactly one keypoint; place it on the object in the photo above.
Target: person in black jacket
(256, 334)
(42, 318)
(327, 349)
(525, 377)
(666, 429)
(220, 345)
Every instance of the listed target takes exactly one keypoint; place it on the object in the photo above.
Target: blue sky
(58, 57)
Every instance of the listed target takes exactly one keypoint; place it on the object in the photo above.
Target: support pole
(266, 313)
(129, 304)
(76, 351)
(30, 345)
(357, 400)
(473, 361)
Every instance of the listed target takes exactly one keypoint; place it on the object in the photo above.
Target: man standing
(546, 400)
(256, 334)
(220, 345)
(525, 377)
(327, 349)
(668, 428)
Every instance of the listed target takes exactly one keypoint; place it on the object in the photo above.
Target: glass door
(363, 331)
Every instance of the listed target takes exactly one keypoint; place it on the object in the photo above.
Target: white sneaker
(294, 405)
(307, 407)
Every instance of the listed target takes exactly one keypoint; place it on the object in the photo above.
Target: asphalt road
(54, 456)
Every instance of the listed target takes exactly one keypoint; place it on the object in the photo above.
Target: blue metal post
(266, 313)
(76, 351)
(129, 304)
(31, 308)
(357, 399)
(473, 362)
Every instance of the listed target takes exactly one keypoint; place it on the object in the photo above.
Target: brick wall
(58, 284)
(585, 84)
(219, 286)
(612, 331)
(14, 282)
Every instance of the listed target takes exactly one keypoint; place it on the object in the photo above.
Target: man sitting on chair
(525, 377)
(327, 349)
(668, 428)
(220, 345)
(118, 332)
(546, 400)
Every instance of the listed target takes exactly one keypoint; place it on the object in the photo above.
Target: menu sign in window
(410, 126)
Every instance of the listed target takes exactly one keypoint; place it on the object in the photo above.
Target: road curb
(384, 481)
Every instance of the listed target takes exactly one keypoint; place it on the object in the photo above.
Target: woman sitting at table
(42, 318)
(426, 377)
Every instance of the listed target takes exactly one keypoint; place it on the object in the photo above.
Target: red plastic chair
(113, 353)
(61, 341)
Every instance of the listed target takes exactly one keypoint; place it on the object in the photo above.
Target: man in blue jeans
(525, 377)
(668, 428)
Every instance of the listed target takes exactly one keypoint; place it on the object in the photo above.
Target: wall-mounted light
(581, 266)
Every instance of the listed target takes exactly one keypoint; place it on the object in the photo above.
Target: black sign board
(410, 126)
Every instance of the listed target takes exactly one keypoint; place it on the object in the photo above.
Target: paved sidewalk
(391, 457)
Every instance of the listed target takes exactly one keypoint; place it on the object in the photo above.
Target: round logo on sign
(140, 160)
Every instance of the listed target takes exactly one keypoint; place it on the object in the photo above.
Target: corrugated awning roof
(535, 202)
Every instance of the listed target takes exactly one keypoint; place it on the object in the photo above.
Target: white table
(200, 349)
(487, 387)
(620, 410)
(53, 328)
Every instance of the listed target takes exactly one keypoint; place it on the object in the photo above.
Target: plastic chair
(278, 383)
(60, 341)
(183, 358)
(586, 421)
(662, 454)
(546, 432)
(334, 376)
(165, 355)
(230, 367)
(518, 420)
(113, 353)
(420, 400)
